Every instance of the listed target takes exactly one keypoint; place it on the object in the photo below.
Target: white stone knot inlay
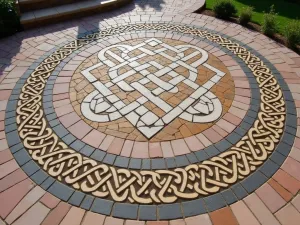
(102, 105)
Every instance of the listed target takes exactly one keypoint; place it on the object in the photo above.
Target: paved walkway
(150, 114)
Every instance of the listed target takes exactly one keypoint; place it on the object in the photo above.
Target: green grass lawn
(286, 10)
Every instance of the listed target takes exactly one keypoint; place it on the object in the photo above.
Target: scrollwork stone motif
(146, 186)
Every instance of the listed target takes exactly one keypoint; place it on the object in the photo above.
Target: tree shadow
(136, 5)
(10, 47)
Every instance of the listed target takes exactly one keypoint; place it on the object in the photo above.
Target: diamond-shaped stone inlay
(151, 79)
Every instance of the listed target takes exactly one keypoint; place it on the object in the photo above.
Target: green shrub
(269, 24)
(292, 33)
(245, 15)
(224, 9)
(9, 19)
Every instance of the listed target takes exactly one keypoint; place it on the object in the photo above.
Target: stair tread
(61, 10)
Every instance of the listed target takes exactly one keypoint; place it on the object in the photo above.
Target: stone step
(30, 5)
(54, 14)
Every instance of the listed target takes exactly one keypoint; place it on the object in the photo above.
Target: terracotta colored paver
(31, 198)
(49, 200)
(13, 196)
(288, 215)
(91, 218)
(270, 197)
(34, 216)
(223, 216)
(74, 216)
(57, 214)
(196, 220)
(243, 214)
(261, 212)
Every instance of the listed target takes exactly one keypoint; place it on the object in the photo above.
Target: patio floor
(148, 115)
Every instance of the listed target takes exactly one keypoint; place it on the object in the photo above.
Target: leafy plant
(224, 9)
(245, 15)
(9, 19)
(269, 24)
(292, 33)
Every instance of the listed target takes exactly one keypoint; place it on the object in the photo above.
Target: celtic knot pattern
(146, 186)
(102, 105)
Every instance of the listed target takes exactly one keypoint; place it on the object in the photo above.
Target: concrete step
(30, 5)
(54, 14)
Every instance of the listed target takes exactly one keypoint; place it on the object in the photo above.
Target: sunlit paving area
(149, 112)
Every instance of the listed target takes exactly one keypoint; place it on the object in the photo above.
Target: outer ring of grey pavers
(156, 163)
(152, 212)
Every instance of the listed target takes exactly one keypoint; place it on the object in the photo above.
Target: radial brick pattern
(149, 114)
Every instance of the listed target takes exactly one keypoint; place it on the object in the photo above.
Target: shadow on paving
(10, 46)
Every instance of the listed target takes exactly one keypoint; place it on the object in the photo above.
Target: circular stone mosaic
(151, 89)
(118, 81)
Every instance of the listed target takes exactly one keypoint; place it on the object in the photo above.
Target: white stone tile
(172, 115)
(120, 104)
(113, 98)
(186, 116)
(132, 117)
(144, 80)
(149, 118)
(186, 103)
(129, 108)
(114, 116)
(141, 110)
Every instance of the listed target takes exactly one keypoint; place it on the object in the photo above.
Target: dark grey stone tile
(76, 198)
(181, 161)
(125, 210)
(239, 191)
(146, 164)
(135, 163)
(60, 130)
(193, 208)
(39, 177)
(78, 145)
(169, 211)
(254, 181)
(97, 154)
(201, 155)
(69, 138)
(147, 212)
(109, 159)
(22, 157)
(269, 168)
(223, 145)
(17, 148)
(88, 150)
(60, 190)
(122, 161)
(102, 206)
(192, 158)
(87, 202)
(30, 168)
(229, 197)
(277, 158)
(47, 183)
(13, 138)
(170, 163)
(211, 151)
(283, 148)
(11, 127)
(158, 164)
(214, 202)
(233, 138)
